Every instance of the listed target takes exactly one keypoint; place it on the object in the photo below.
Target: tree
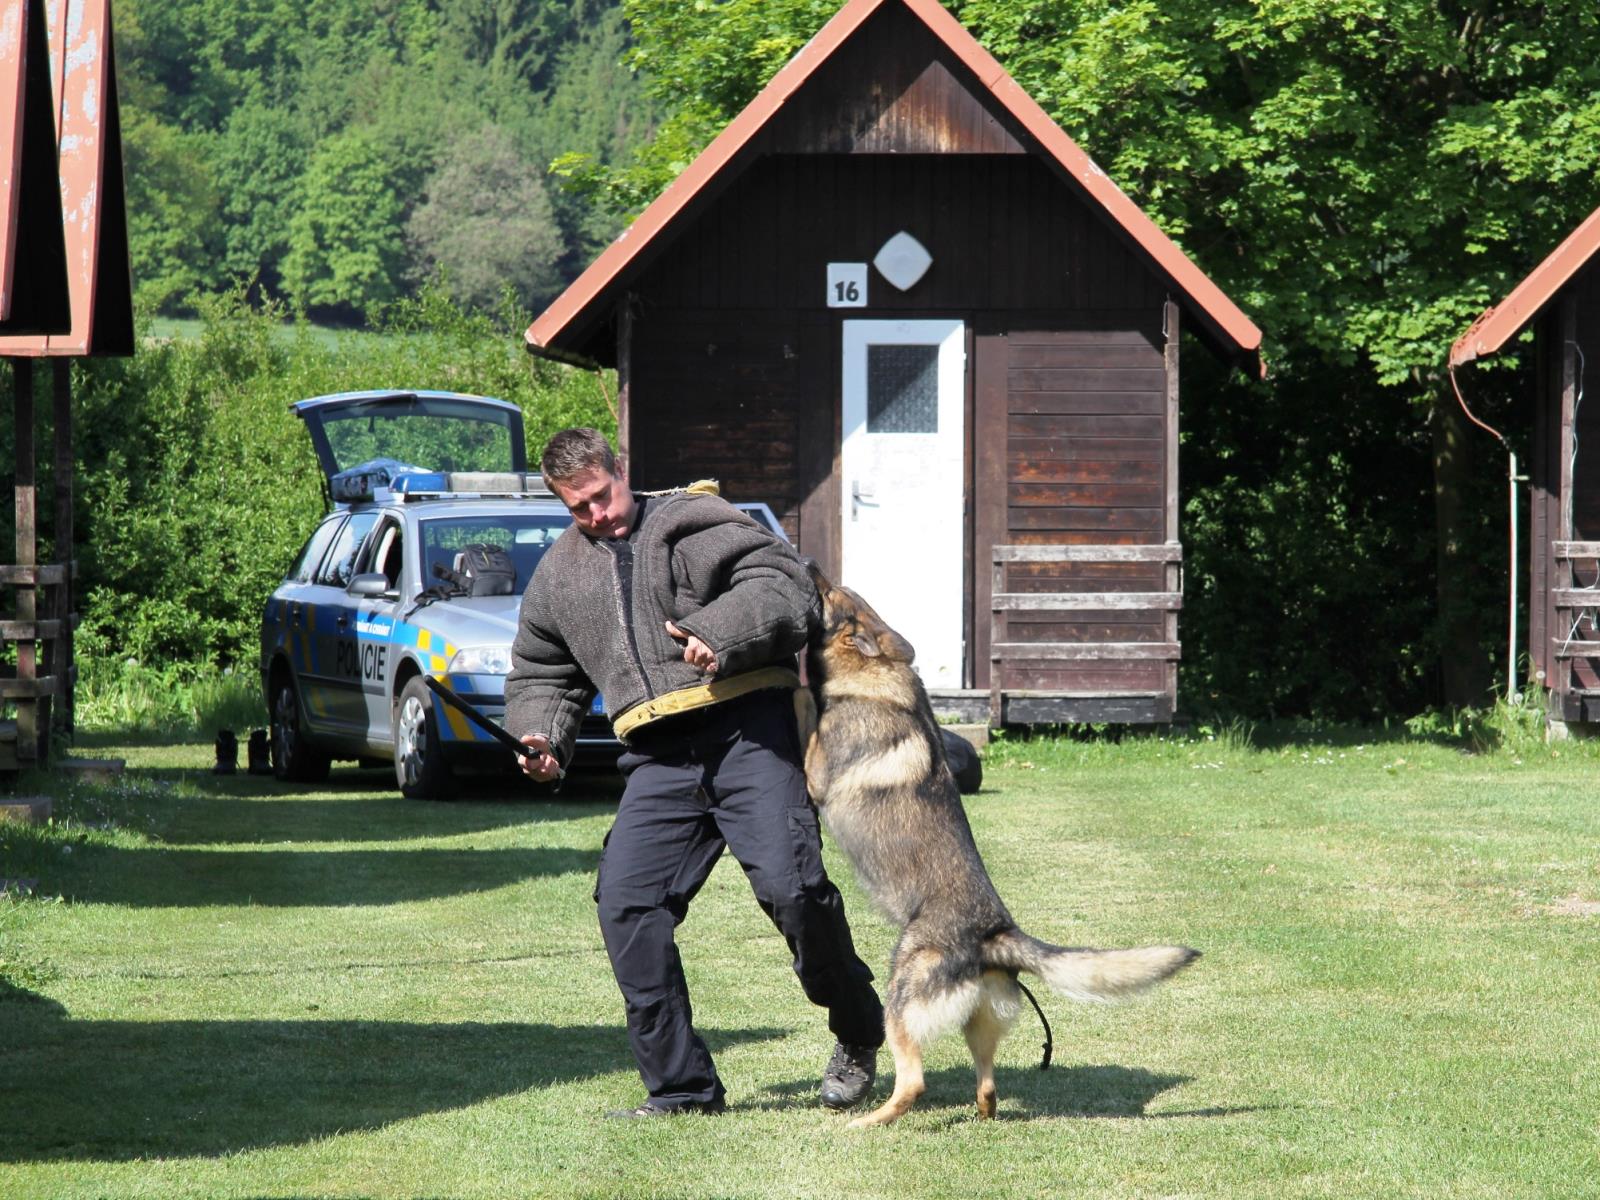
(173, 227)
(1364, 175)
(259, 159)
(346, 253)
(488, 223)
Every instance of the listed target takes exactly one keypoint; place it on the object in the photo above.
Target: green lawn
(246, 990)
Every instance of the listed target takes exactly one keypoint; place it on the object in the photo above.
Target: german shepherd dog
(875, 767)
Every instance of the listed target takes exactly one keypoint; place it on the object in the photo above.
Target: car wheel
(295, 758)
(419, 763)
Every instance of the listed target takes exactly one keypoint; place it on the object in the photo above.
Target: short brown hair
(573, 451)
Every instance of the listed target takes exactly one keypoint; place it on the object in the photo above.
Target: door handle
(342, 620)
(860, 499)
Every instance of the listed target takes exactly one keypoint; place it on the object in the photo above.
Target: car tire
(295, 757)
(420, 767)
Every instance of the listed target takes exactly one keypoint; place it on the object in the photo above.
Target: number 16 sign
(847, 285)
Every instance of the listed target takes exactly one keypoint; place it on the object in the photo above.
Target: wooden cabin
(65, 292)
(1560, 300)
(897, 302)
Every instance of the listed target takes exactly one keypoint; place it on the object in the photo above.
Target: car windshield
(435, 433)
(525, 536)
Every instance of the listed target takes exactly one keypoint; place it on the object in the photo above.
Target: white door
(902, 483)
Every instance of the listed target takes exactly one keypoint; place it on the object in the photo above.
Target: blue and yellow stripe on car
(433, 654)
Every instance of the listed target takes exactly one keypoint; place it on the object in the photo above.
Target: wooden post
(1172, 575)
(62, 667)
(30, 733)
(1569, 408)
(625, 381)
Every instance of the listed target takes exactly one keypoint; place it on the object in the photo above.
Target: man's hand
(695, 652)
(540, 764)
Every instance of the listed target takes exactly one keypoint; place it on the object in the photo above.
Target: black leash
(1049, 1042)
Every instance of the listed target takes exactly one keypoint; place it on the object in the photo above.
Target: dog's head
(853, 636)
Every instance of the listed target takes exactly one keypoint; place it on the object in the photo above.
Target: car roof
(342, 399)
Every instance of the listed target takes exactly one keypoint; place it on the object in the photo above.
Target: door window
(339, 566)
(305, 567)
(902, 389)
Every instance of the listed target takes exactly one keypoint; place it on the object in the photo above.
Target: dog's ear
(866, 643)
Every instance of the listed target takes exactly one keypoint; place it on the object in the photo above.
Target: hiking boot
(849, 1075)
(704, 1108)
(227, 753)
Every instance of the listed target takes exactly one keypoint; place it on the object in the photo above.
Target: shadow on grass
(278, 814)
(120, 1090)
(1082, 1091)
(158, 877)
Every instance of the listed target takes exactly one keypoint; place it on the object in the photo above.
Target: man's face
(601, 503)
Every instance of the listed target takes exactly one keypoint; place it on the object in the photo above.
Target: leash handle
(482, 722)
(1049, 1041)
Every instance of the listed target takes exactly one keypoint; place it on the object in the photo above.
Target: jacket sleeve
(546, 691)
(761, 599)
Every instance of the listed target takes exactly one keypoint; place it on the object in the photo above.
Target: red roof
(89, 140)
(577, 305)
(1499, 324)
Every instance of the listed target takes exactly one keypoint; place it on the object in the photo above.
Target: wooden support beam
(1571, 597)
(1119, 601)
(1086, 651)
(44, 576)
(26, 690)
(61, 662)
(29, 631)
(1570, 550)
(30, 731)
(1169, 552)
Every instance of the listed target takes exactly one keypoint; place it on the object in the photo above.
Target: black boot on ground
(227, 754)
(259, 753)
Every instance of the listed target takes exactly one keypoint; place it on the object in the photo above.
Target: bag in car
(483, 569)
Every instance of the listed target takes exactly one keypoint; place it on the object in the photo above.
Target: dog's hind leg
(920, 1007)
(908, 1082)
(990, 1021)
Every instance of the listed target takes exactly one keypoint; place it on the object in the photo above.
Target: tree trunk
(1464, 664)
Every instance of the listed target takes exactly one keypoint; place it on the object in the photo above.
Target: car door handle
(342, 620)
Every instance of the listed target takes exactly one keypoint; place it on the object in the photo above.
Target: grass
(224, 987)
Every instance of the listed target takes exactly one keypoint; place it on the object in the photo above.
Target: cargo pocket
(805, 836)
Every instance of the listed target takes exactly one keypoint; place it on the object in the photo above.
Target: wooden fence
(1162, 607)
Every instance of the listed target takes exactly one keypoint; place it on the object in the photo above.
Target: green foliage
(1361, 176)
(174, 227)
(197, 485)
(488, 223)
(345, 246)
(289, 143)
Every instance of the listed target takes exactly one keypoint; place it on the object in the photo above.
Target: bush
(196, 484)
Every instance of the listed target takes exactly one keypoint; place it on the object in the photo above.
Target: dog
(875, 766)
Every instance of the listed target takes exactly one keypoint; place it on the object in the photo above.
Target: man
(687, 616)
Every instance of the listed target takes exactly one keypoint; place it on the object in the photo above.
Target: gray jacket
(698, 562)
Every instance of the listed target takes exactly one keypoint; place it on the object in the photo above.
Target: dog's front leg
(815, 761)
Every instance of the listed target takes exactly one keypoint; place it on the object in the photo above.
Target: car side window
(305, 567)
(385, 552)
(339, 566)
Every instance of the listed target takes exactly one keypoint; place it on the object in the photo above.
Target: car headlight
(481, 660)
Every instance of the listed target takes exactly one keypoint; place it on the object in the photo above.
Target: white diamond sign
(903, 260)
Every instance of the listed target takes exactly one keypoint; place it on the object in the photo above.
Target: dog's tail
(1085, 974)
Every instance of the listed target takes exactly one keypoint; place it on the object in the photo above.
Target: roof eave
(1501, 322)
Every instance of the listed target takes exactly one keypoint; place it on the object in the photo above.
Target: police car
(423, 486)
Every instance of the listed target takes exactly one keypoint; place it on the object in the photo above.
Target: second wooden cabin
(1560, 300)
(898, 303)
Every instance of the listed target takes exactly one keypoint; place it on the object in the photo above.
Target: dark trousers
(725, 776)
